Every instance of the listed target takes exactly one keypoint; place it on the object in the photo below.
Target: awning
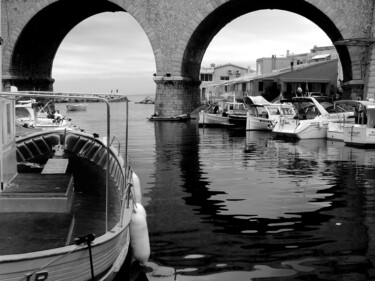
(323, 56)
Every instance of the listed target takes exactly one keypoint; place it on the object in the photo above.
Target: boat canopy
(255, 100)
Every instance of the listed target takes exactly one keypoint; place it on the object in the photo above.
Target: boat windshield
(22, 112)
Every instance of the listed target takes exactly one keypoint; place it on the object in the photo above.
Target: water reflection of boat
(69, 206)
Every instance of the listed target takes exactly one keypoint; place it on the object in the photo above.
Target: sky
(111, 52)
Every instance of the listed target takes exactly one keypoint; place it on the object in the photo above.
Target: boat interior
(58, 193)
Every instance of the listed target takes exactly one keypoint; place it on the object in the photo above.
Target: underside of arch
(224, 14)
(38, 42)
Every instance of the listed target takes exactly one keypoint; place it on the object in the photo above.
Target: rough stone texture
(179, 32)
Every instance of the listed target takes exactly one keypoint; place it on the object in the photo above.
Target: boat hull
(359, 136)
(258, 124)
(76, 107)
(212, 119)
(238, 120)
(300, 129)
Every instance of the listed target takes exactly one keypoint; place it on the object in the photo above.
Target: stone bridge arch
(179, 32)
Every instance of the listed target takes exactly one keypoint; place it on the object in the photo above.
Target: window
(224, 77)
(206, 77)
(260, 86)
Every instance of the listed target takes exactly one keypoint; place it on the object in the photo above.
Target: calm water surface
(234, 205)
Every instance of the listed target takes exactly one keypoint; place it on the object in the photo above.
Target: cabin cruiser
(361, 133)
(335, 129)
(263, 117)
(311, 119)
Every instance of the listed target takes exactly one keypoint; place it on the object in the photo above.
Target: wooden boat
(181, 117)
(213, 117)
(311, 121)
(362, 132)
(69, 205)
(236, 112)
(76, 107)
(30, 114)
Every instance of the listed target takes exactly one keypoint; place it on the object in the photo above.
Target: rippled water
(234, 205)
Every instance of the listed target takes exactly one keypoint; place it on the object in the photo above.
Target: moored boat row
(350, 121)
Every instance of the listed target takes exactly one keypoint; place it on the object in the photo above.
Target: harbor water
(225, 204)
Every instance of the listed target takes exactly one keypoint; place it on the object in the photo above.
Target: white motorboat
(29, 113)
(262, 117)
(335, 130)
(70, 205)
(362, 132)
(311, 120)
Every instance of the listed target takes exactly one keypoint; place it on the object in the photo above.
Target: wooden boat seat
(45, 192)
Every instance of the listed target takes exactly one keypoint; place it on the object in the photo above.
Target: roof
(298, 67)
(230, 64)
(207, 70)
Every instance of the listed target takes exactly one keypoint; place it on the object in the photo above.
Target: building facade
(220, 74)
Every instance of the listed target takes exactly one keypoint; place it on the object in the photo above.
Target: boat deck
(44, 224)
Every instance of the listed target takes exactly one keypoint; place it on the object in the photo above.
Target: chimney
(287, 53)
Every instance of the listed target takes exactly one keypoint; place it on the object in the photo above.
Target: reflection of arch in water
(192, 221)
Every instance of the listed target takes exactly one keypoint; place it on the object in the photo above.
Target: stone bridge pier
(179, 32)
(176, 95)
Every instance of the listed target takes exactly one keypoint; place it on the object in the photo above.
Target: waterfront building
(317, 71)
(217, 74)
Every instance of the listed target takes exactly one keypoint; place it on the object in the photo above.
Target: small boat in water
(213, 117)
(362, 132)
(70, 205)
(181, 117)
(146, 100)
(311, 120)
(76, 107)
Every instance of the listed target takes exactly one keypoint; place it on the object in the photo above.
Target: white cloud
(111, 50)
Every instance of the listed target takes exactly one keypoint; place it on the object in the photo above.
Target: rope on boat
(51, 262)
(87, 239)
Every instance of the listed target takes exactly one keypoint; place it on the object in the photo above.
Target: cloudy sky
(110, 51)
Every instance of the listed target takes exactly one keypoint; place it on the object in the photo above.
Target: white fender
(139, 240)
(137, 188)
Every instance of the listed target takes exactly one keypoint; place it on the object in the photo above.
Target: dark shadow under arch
(39, 41)
(213, 23)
